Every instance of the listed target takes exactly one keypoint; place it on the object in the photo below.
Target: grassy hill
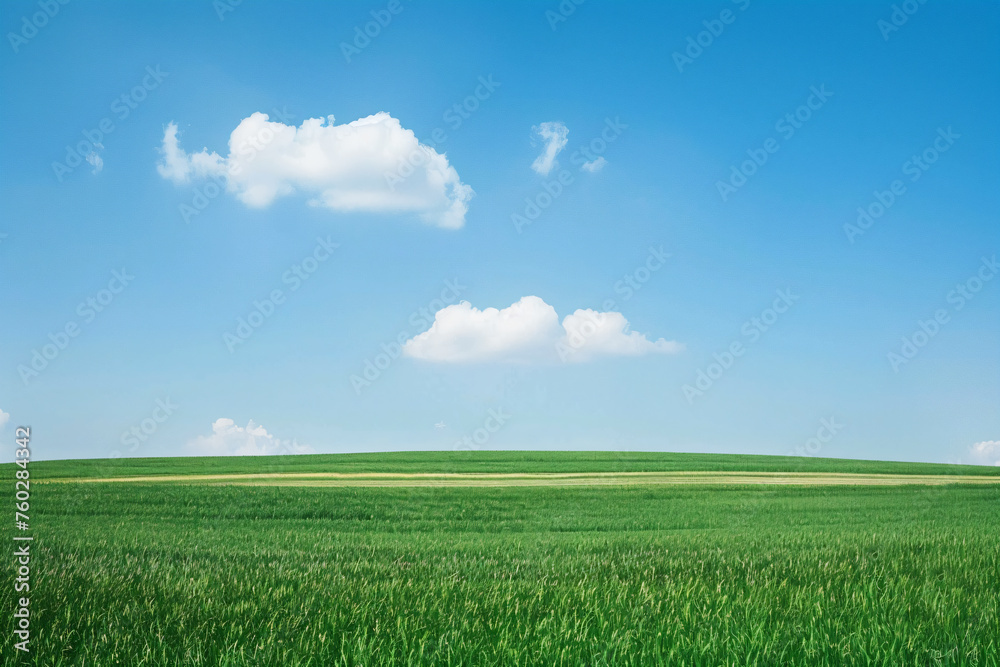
(484, 462)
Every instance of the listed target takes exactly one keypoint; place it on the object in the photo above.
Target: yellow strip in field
(546, 479)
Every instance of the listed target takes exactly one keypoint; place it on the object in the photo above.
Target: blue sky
(878, 98)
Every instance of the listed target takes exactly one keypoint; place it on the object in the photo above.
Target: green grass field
(488, 462)
(182, 573)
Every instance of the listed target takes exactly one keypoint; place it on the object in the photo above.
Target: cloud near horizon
(529, 331)
(228, 439)
(371, 165)
(554, 134)
(986, 452)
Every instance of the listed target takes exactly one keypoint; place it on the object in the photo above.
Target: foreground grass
(203, 575)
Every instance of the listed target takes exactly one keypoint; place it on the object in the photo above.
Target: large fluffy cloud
(528, 331)
(228, 439)
(554, 134)
(372, 164)
(986, 452)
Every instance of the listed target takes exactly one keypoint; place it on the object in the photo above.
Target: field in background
(167, 574)
(486, 462)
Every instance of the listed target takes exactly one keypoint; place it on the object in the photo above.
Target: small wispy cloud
(94, 158)
(594, 166)
(554, 134)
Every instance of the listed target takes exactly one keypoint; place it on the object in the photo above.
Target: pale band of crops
(546, 479)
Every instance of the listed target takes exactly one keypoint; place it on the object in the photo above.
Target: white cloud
(228, 439)
(4, 418)
(594, 166)
(986, 452)
(590, 333)
(528, 331)
(96, 161)
(463, 333)
(180, 167)
(554, 135)
(368, 165)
